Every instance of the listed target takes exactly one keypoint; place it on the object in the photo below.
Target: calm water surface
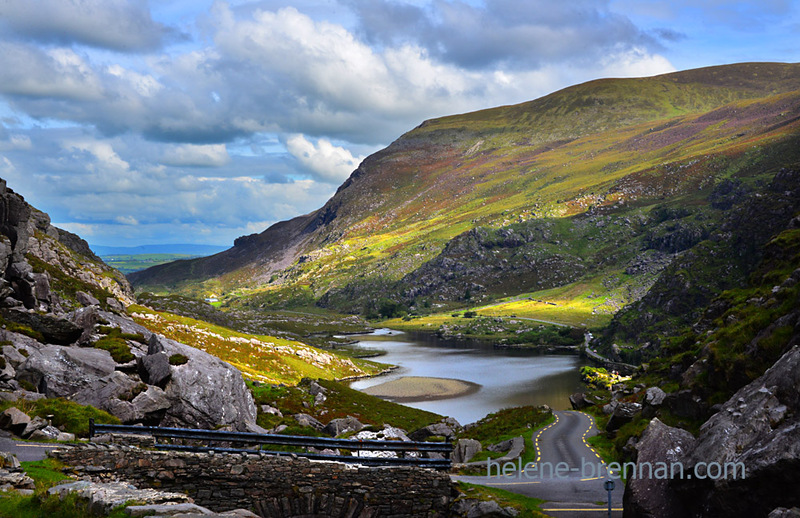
(507, 377)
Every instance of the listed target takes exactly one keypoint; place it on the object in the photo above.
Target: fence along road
(408, 452)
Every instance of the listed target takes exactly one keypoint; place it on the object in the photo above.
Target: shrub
(178, 359)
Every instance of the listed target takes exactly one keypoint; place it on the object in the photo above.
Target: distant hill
(592, 191)
(180, 249)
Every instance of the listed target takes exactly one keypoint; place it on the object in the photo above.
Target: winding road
(569, 475)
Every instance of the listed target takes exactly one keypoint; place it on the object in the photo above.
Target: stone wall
(269, 485)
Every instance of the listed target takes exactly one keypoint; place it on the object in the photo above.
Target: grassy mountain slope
(567, 190)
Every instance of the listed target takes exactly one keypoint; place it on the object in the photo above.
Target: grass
(263, 358)
(342, 401)
(67, 415)
(47, 473)
(586, 148)
(527, 507)
(507, 424)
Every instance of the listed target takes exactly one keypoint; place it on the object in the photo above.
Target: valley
(489, 270)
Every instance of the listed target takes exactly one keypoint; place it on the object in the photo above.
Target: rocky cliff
(65, 334)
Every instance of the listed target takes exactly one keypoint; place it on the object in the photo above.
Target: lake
(508, 377)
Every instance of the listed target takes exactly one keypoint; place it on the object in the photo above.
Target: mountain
(593, 190)
(172, 248)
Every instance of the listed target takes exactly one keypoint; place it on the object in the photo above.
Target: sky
(197, 121)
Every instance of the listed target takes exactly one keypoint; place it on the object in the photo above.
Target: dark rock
(433, 430)
(686, 404)
(37, 423)
(648, 495)
(307, 420)
(578, 401)
(85, 299)
(622, 414)
(154, 369)
(337, 427)
(758, 430)
(465, 449)
(501, 446)
(55, 330)
(115, 305)
(14, 420)
(782, 512)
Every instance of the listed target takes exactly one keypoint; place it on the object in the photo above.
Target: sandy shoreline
(419, 388)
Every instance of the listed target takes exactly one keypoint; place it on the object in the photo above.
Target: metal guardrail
(215, 436)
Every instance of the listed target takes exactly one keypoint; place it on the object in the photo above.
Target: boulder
(85, 299)
(686, 404)
(654, 396)
(757, 430)
(623, 413)
(51, 433)
(151, 405)
(465, 449)
(267, 409)
(782, 512)
(63, 371)
(206, 392)
(474, 508)
(307, 420)
(14, 420)
(337, 427)
(650, 496)
(578, 401)
(436, 429)
(154, 369)
(110, 393)
(56, 330)
(37, 423)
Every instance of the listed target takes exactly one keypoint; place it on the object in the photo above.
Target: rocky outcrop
(87, 354)
(757, 430)
(744, 462)
(650, 496)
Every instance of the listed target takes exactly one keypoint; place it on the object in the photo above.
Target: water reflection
(508, 377)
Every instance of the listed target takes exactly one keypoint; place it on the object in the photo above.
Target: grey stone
(86, 299)
(63, 371)
(757, 428)
(152, 404)
(166, 510)
(578, 401)
(104, 497)
(465, 449)
(56, 330)
(623, 413)
(37, 423)
(307, 420)
(115, 305)
(654, 396)
(110, 393)
(154, 369)
(14, 420)
(206, 392)
(651, 496)
(343, 425)
(782, 512)
(267, 409)
(436, 429)
(9, 460)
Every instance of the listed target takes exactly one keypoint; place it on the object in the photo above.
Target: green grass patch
(527, 507)
(178, 359)
(67, 415)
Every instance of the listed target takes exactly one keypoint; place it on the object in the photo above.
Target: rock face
(465, 449)
(758, 429)
(651, 496)
(58, 300)
(744, 462)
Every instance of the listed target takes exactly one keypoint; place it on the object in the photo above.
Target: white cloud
(192, 155)
(326, 162)
(124, 25)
